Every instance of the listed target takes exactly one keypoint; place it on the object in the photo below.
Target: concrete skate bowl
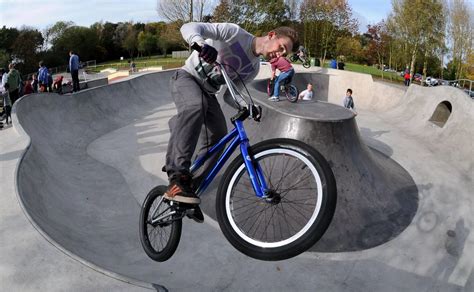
(89, 205)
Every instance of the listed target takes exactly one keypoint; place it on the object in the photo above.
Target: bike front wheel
(306, 63)
(160, 226)
(270, 86)
(291, 93)
(297, 211)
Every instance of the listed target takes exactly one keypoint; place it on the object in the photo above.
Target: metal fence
(464, 84)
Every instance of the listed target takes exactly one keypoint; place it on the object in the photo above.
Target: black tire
(291, 93)
(292, 162)
(306, 63)
(270, 87)
(169, 234)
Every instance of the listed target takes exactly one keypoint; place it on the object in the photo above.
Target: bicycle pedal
(195, 214)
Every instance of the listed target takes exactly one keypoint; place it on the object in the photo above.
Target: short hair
(71, 52)
(290, 33)
(40, 63)
(349, 90)
(11, 66)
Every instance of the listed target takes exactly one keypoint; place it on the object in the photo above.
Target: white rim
(308, 224)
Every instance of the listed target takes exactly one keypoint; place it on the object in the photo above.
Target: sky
(43, 13)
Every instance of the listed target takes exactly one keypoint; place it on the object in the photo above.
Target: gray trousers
(199, 115)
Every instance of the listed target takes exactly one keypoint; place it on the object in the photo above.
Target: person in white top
(193, 89)
(307, 94)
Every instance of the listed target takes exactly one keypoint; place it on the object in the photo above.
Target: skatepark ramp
(95, 154)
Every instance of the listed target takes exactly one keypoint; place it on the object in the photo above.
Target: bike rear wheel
(298, 210)
(159, 239)
(291, 93)
(306, 63)
(270, 87)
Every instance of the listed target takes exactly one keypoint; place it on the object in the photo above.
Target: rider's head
(309, 87)
(279, 41)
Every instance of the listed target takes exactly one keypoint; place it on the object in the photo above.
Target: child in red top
(286, 72)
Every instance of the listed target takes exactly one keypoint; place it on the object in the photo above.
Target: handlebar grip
(196, 47)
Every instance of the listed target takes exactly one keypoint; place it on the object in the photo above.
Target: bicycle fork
(251, 164)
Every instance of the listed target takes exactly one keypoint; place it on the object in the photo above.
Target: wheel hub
(273, 197)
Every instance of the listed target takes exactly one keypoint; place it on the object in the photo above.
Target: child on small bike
(193, 88)
(286, 73)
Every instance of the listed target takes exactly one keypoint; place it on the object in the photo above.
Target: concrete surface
(94, 155)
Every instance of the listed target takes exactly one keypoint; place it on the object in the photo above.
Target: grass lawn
(169, 62)
(140, 63)
(376, 73)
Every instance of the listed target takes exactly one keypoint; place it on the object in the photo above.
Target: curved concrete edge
(19, 129)
(368, 94)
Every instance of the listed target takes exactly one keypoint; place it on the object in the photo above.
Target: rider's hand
(208, 54)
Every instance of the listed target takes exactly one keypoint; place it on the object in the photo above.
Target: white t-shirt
(234, 47)
(306, 94)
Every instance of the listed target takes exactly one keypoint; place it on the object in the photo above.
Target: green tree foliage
(416, 24)
(7, 38)
(461, 35)
(130, 42)
(324, 21)
(26, 47)
(146, 42)
(55, 31)
(82, 40)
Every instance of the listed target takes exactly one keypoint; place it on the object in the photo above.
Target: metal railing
(464, 84)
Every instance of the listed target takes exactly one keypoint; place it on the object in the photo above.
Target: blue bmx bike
(273, 202)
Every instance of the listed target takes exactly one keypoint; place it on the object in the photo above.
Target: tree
(7, 38)
(147, 42)
(26, 47)
(52, 33)
(461, 34)
(130, 42)
(416, 23)
(82, 40)
(378, 46)
(182, 11)
(324, 21)
(222, 12)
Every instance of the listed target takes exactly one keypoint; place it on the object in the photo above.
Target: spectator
(58, 84)
(34, 83)
(28, 89)
(7, 104)
(348, 101)
(50, 80)
(307, 94)
(341, 65)
(407, 78)
(3, 79)
(13, 81)
(74, 67)
(42, 77)
(286, 73)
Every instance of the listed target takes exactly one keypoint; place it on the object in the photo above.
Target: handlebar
(255, 111)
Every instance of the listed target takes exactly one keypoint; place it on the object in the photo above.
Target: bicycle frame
(236, 137)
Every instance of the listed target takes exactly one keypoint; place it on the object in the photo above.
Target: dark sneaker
(196, 214)
(180, 190)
